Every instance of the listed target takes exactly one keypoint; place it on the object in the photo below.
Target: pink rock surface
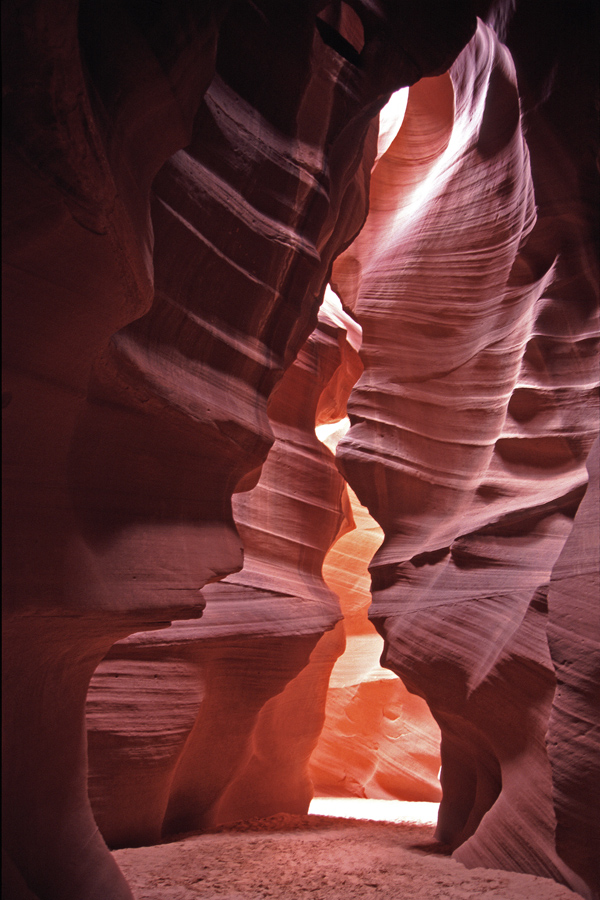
(470, 429)
(310, 514)
(258, 629)
(560, 133)
(125, 441)
(573, 730)
(78, 267)
(178, 184)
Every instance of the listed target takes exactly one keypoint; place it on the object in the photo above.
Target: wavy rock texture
(79, 162)
(470, 429)
(378, 740)
(560, 98)
(196, 759)
(574, 730)
(275, 776)
(125, 441)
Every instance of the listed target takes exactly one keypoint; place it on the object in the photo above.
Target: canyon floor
(316, 857)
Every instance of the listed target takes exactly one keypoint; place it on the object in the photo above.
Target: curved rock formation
(81, 148)
(560, 96)
(126, 441)
(470, 429)
(574, 729)
(179, 180)
(190, 759)
(378, 740)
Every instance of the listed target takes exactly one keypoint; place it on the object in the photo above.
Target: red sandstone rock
(77, 240)
(125, 442)
(574, 640)
(378, 740)
(470, 429)
(560, 101)
(190, 759)
(119, 482)
(276, 775)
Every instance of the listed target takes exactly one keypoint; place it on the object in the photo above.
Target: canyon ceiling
(212, 247)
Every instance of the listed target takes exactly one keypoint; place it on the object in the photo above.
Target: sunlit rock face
(179, 180)
(154, 296)
(378, 740)
(471, 426)
(184, 727)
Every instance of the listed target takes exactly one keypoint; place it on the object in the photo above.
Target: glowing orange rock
(201, 727)
(378, 740)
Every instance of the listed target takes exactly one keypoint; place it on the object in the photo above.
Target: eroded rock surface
(125, 441)
(574, 730)
(211, 753)
(179, 180)
(378, 740)
(471, 426)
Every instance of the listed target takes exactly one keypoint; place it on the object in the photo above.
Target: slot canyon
(301, 416)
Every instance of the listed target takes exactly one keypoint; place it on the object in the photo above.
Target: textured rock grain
(179, 182)
(154, 296)
(574, 727)
(470, 429)
(211, 753)
(378, 740)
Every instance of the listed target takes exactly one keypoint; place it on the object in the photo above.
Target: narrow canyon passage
(378, 740)
(301, 329)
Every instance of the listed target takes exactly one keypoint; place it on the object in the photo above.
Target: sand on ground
(315, 857)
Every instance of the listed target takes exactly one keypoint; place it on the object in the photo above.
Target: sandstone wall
(197, 725)
(154, 296)
(378, 740)
(476, 316)
(178, 183)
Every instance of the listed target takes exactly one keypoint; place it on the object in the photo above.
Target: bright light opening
(421, 813)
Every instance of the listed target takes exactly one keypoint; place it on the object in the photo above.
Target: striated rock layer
(308, 514)
(574, 730)
(561, 92)
(205, 755)
(378, 740)
(471, 426)
(179, 180)
(80, 152)
(153, 297)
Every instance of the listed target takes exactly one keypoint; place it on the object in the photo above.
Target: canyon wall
(153, 297)
(180, 183)
(378, 740)
(476, 287)
(184, 739)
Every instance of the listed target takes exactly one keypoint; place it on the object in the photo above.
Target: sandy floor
(317, 858)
